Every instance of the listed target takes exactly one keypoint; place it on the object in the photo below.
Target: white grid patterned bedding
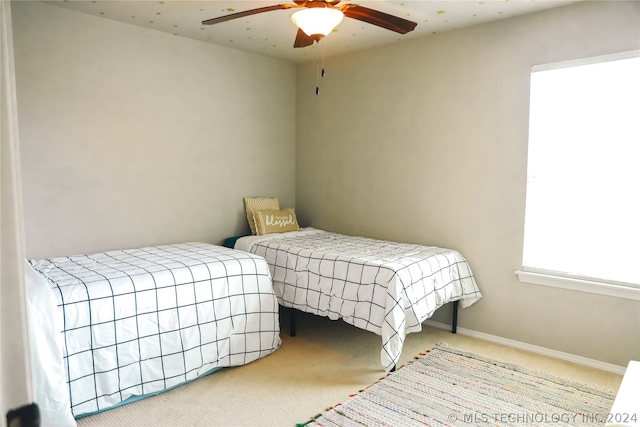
(140, 321)
(384, 287)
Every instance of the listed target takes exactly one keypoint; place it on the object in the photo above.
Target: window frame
(575, 282)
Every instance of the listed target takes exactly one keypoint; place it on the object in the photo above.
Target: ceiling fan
(317, 18)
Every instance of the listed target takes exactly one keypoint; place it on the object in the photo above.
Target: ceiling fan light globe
(317, 20)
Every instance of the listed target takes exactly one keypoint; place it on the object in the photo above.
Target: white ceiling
(272, 33)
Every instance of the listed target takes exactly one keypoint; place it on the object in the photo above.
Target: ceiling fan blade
(303, 40)
(247, 13)
(381, 19)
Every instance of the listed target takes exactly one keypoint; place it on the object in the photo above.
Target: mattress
(132, 323)
(385, 287)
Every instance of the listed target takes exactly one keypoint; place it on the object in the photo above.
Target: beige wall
(426, 141)
(132, 137)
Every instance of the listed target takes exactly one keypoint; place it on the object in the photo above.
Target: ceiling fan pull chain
(322, 60)
(317, 60)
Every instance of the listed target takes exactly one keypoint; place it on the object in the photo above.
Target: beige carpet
(319, 368)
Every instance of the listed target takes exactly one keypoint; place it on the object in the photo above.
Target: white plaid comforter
(136, 322)
(384, 287)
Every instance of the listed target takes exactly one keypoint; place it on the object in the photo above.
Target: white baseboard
(585, 361)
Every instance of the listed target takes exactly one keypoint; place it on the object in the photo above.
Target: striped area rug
(450, 387)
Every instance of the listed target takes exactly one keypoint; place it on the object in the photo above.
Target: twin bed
(112, 327)
(384, 287)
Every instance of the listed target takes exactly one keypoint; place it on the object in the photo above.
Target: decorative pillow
(252, 204)
(275, 221)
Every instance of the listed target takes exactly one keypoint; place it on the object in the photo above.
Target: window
(582, 220)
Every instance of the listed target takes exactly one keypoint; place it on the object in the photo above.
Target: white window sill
(581, 285)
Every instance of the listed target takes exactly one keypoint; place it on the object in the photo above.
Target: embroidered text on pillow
(279, 221)
(275, 221)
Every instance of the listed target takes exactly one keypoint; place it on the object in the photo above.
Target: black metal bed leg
(292, 322)
(454, 325)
